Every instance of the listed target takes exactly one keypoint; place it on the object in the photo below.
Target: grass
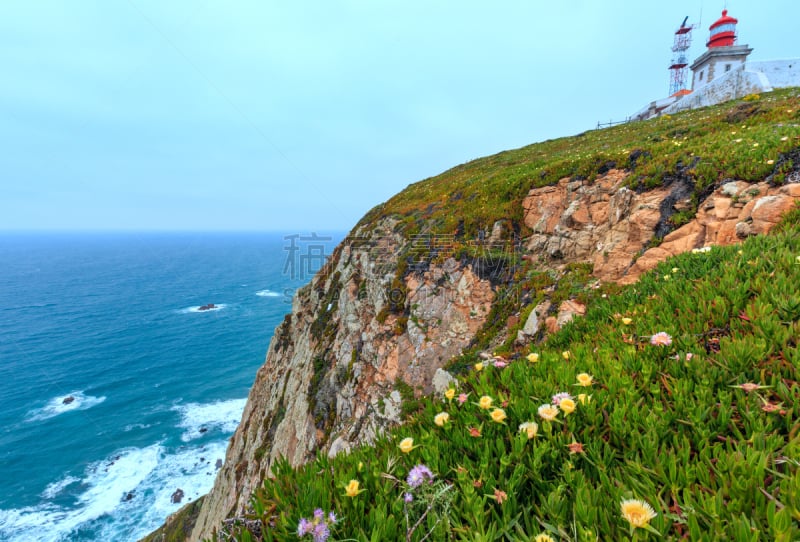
(735, 140)
(677, 426)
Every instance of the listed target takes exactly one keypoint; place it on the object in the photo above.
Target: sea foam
(57, 406)
(123, 497)
(55, 488)
(199, 419)
(268, 293)
(196, 308)
(106, 483)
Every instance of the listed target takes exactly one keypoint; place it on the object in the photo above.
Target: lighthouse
(722, 54)
(723, 72)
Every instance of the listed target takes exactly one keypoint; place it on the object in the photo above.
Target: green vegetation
(683, 387)
(704, 429)
(748, 140)
(179, 526)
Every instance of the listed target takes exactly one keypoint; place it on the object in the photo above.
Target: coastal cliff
(360, 342)
(476, 261)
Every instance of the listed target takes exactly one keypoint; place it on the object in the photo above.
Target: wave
(64, 403)
(199, 419)
(124, 497)
(196, 308)
(134, 426)
(53, 489)
(268, 293)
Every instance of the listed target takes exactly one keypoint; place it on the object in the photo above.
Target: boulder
(568, 310)
(177, 497)
(441, 381)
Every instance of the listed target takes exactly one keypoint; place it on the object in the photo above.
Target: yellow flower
(675, 269)
(529, 428)
(485, 402)
(548, 412)
(441, 418)
(498, 415)
(565, 354)
(567, 405)
(351, 489)
(627, 321)
(406, 445)
(666, 277)
(585, 379)
(543, 538)
(636, 512)
(533, 357)
(479, 366)
(450, 393)
(584, 399)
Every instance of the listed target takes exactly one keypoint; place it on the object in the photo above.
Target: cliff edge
(471, 261)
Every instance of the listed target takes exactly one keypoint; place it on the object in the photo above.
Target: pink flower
(500, 364)
(661, 339)
(462, 398)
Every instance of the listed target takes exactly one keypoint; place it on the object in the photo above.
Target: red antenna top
(723, 31)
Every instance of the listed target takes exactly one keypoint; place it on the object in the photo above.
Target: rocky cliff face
(372, 326)
(357, 337)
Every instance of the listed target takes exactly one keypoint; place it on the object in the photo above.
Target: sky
(263, 115)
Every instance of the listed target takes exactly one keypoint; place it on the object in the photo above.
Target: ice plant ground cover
(710, 441)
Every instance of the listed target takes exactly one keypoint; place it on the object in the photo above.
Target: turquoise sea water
(158, 387)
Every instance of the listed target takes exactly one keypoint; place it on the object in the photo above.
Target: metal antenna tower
(683, 39)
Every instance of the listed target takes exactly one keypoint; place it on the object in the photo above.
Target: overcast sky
(266, 115)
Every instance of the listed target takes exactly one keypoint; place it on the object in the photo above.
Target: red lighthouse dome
(723, 31)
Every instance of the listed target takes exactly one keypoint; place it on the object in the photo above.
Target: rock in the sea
(68, 399)
(128, 496)
(203, 429)
(218, 464)
(177, 496)
(207, 307)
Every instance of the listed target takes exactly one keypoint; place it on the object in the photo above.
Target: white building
(723, 73)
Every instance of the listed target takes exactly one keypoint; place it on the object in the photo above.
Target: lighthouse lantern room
(722, 55)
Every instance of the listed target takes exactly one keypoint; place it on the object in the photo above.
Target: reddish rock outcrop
(732, 213)
(605, 223)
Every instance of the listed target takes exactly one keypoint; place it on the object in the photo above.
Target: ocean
(117, 390)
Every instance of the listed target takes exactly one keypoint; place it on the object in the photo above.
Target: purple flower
(321, 532)
(408, 497)
(319, 514)
(332, 519)
(557, 398)
(304, 527)
(418, 474)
